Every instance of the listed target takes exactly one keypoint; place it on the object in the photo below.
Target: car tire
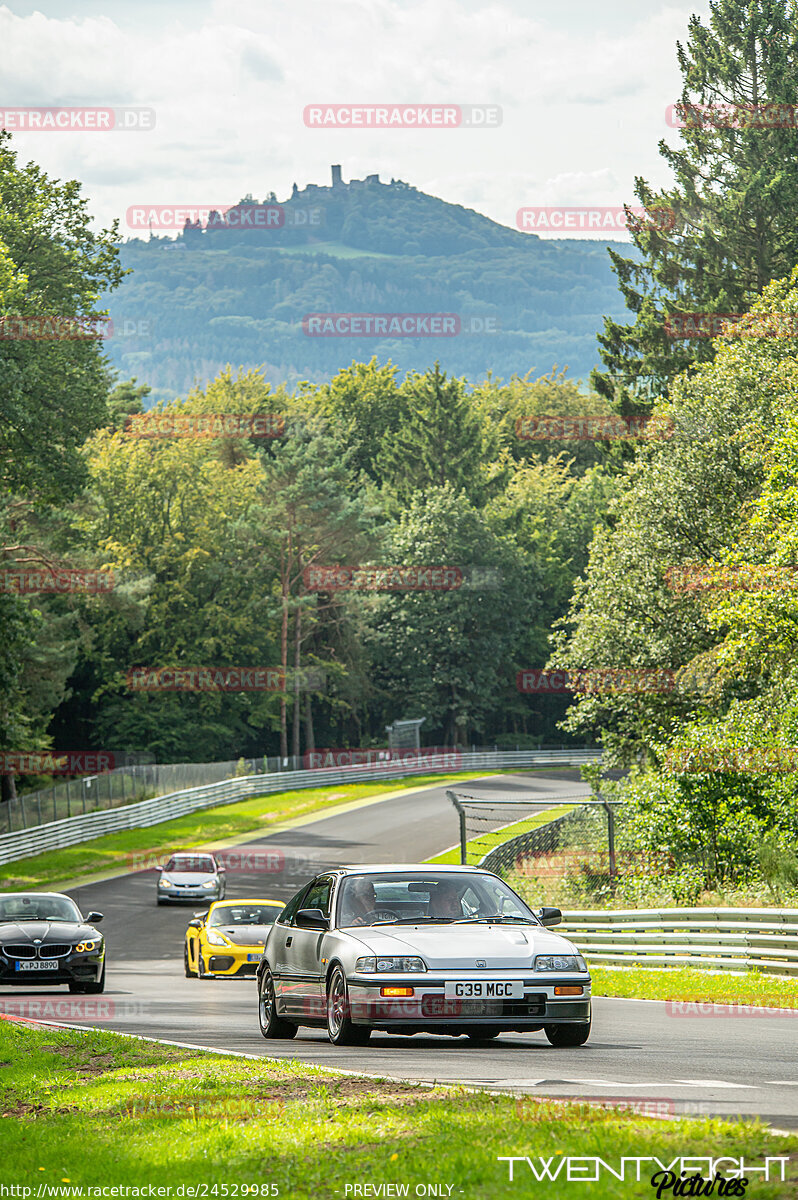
(271, 1026)
(187, 964)
(482, 1035)
(201, 972)
(568, 1035)
(340, 1029)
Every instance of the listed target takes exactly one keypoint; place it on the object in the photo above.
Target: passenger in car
(445, 902)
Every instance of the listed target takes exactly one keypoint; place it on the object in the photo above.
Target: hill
(229, 290)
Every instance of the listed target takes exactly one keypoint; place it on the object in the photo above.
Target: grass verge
(83, 1109)
(689, 983)
(209, 825)
(478, 847)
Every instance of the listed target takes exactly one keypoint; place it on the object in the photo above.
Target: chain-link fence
(112, 789)
(562, 850)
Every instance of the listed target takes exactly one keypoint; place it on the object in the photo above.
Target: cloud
(584, 100)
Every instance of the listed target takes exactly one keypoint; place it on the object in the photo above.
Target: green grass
(87, 1109)
(689, 983)
(478, 847)
(212, 824)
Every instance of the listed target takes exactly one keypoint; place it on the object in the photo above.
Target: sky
(582, 85)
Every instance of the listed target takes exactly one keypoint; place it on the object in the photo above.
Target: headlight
(164, 882)
(560, 962)
(88, 947)
(370, 965)
(216, 938)
(209, 883)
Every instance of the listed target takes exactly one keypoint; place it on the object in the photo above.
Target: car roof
(247, 900)
(392, 868)
(49, 895)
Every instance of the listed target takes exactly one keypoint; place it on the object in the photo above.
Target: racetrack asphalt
(638, 1053)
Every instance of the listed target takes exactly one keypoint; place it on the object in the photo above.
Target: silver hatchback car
(410, 949)
(191, 877)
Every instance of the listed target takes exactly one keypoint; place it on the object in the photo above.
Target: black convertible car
(45, 940)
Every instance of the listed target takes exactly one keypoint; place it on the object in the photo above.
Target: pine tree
(441, 439)
(729, 225)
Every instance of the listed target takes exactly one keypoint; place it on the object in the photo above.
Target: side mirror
(202, 915)
(195, 924)
(311, 918)
(94, 917)
(549, 916)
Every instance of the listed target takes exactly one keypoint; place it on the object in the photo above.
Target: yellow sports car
(227, 940)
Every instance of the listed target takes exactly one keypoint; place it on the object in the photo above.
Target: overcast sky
(583, 86)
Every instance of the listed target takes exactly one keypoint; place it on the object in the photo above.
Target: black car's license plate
(35, 965)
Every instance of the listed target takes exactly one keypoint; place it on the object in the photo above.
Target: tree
(685, 500)
(315, 513)
(52, 392)
(440, 439)
(451, 655)
(727, 226)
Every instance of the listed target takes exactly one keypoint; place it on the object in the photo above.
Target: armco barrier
(733, 939)
(73, 830)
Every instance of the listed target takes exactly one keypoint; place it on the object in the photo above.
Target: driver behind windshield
(358, 902)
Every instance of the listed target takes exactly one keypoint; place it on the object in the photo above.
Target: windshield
(38, 908)
(191, 862)
(245, 914)
(428, 897)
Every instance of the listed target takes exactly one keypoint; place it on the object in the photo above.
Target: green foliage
(52, 393)
(733, 203)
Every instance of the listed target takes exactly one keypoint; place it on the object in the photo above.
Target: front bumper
(73, 968)
(189, 893)
(429, 1008)
(232, 961)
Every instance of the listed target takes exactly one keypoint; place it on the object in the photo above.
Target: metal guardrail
(733, 939)
(73, 830)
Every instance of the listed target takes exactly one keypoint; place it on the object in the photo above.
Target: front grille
(440, 1006)
(20, 951)
(55, 950)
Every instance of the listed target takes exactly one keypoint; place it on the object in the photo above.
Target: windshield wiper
(419, 921)
(492, 920)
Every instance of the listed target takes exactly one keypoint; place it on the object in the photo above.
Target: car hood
(245, 935)
(44, 931)
(459, 946)
(194, 877)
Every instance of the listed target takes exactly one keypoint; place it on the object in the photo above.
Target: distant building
(336, 175)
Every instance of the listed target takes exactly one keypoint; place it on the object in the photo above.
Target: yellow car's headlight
(215, 938)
